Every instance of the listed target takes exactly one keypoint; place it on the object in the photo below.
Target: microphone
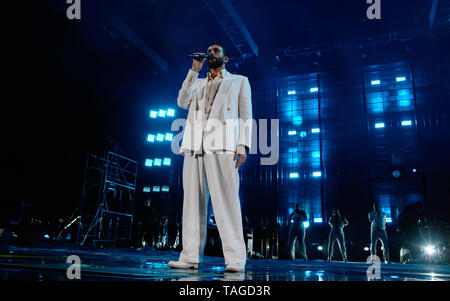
(198, 57)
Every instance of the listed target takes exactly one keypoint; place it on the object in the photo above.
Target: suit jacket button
(224, 122)
(228, 109)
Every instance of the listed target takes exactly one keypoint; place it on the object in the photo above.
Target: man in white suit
(216, 139)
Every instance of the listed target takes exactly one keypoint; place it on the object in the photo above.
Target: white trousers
(215, 175)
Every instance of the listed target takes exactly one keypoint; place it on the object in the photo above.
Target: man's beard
(214, 64)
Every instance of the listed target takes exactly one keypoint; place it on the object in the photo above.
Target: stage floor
(43, 264)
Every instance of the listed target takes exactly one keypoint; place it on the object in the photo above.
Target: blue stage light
(146, 189)
(306, 224)
(291, 92)
(318, 220)
(315, 154)
(167, 161)
(160, 137)
(297, 120)
(404, 94)
(156, 189)
(375, 82)
(157, 162)
(404, 103)
(293, 160)
(388, 220)
(404, 97)
(151, 138)
(406, 122)
(149, 162)
(400, 79)
(291, 133)
(169, 136)
(317, 174)
(375, 103)
(315, 89)
(315, 130)
(170, 112)
(379, 125)
(153, 114)
(292, 150)
(162, 113)
(414, 170)
(165, 188)
(303, 134)
(293, 175)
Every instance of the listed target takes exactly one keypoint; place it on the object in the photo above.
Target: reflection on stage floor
(42, 264)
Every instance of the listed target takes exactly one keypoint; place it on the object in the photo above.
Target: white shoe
(235, 268)
(182, 265)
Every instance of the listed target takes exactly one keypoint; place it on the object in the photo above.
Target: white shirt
(212, 88)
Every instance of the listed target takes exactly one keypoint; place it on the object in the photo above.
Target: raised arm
(186, 92)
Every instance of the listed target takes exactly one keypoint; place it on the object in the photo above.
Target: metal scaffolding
(107, 201)
(233, 26)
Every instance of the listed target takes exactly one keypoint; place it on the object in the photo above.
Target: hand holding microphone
(198, 59)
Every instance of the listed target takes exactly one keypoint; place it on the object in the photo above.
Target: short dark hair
(225, 53)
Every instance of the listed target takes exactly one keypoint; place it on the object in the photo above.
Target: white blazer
(230, 120)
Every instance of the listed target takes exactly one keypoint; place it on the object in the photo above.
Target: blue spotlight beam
(433, 10)
(233, 26)
(139, 43)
